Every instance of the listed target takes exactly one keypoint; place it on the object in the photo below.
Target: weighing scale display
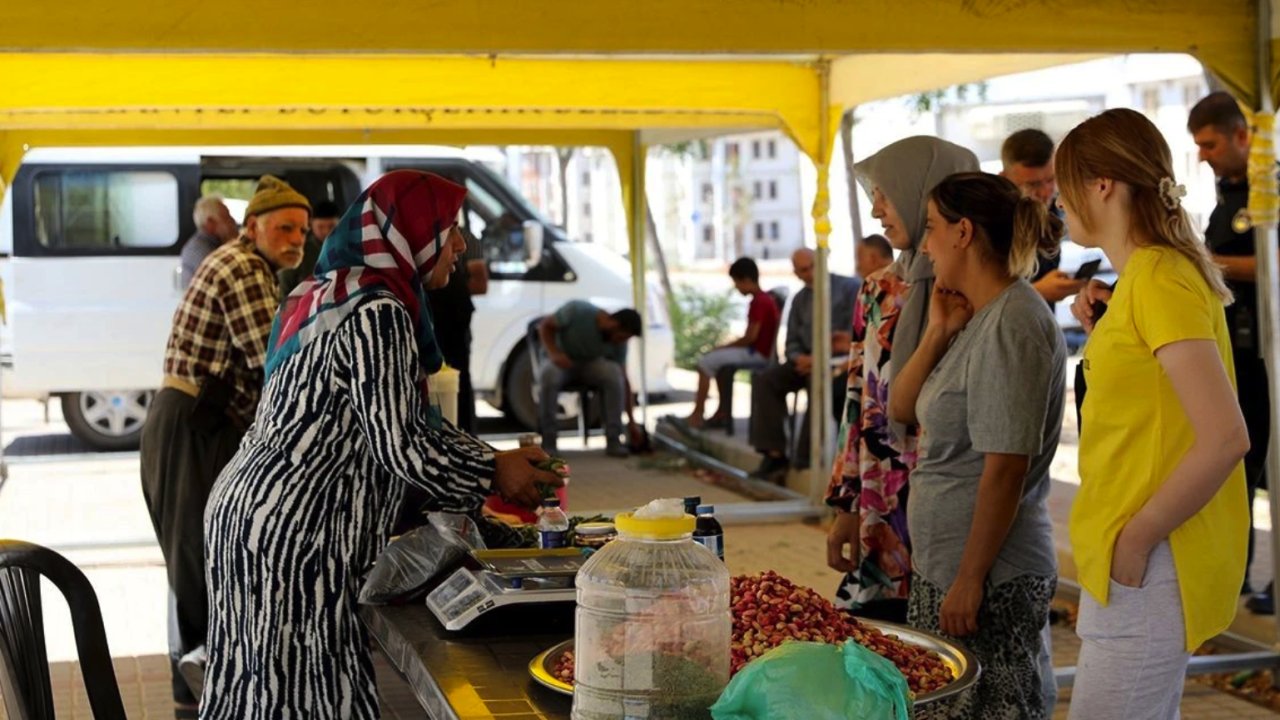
(467, 595)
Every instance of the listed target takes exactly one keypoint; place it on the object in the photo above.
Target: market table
(483, 673)
(478, 675)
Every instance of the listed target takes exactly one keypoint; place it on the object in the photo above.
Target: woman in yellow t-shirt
(1160, 524)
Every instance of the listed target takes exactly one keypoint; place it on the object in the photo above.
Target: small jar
(594, 535)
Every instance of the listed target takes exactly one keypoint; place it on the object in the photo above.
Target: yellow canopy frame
(615, 73)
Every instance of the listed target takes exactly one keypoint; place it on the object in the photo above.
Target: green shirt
(579, 335)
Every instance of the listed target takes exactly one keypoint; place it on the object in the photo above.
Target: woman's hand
(1057, 286)
(959, 614)
(844, 533)
(1129, 560)
(949, 311)
(517, 480)
(1082, 308)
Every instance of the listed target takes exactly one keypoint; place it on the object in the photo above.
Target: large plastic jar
(653, 625)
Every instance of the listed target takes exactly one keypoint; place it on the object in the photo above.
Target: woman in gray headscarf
(876, 456)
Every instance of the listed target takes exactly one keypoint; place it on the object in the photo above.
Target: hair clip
(1171, 193)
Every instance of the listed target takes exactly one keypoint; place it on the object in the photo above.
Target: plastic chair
(585, 392)
(24, 661)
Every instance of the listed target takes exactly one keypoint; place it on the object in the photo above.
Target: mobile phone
(1089, 269)
(1099, 307)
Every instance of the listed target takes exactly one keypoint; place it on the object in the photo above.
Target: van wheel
(107, 420)
(522, 406)
(518, 397)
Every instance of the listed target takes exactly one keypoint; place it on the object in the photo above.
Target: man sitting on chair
(587, 346)
(769, 388)
(754, 350)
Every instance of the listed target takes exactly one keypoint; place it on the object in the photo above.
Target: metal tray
(964, 666)
(543, 666)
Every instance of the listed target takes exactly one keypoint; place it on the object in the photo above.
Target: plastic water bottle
(708, 531)
(553, 525)
(691, 504)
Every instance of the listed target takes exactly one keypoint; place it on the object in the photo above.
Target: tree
(565, 155)
(847, 122)
(927, 102)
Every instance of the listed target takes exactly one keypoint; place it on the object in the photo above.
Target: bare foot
(694, 421)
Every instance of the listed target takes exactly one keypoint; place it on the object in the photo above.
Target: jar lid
(594, 528)
(667, 528)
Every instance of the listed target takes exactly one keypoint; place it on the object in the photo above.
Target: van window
(501, 233)
(101, 209)
(235, 193)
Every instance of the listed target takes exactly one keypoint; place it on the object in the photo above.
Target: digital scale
(495, 579)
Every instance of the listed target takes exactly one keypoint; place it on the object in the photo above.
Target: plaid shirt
(222, 326)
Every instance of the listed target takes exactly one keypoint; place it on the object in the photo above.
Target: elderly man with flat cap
(213, 370)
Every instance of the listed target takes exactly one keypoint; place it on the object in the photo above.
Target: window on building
(759, 231)
(586, 208)
(586, 237)
(756, 192)
(774, 230)
(100, 209)
(755, 149)
(708, 193)
(708, 233)
(1151, 100)
(773, 189)
(773, 149)
(586, 177)
(1192, 92)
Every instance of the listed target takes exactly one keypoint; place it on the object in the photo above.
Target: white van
(89, 243)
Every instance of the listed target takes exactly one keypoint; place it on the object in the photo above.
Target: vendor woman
(306, 504)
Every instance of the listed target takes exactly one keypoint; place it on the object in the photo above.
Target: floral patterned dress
(872, 465)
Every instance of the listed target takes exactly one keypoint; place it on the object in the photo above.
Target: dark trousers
(179, 465)
(1255, 405)
(769, 411)
(461, 361)
(605, 377)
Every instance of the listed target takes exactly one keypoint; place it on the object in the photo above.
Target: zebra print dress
(304, 508)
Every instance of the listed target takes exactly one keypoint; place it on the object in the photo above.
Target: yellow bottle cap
(667, 528)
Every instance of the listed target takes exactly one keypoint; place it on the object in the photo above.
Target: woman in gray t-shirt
(986, 385)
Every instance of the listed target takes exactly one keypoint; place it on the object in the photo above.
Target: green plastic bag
(816, 681)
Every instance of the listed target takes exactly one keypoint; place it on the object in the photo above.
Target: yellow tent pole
(820, 377)
(637, 214)
(10, 159)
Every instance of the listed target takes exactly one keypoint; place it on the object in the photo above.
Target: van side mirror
(533, 241)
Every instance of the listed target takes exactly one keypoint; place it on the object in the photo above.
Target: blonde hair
(1123, 145)
(1013, 230)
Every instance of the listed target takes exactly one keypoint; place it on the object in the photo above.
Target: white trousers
(1133, 656)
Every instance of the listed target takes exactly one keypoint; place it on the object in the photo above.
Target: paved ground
(90, 508)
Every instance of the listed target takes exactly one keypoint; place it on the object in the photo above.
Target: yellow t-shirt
(1135, 433)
